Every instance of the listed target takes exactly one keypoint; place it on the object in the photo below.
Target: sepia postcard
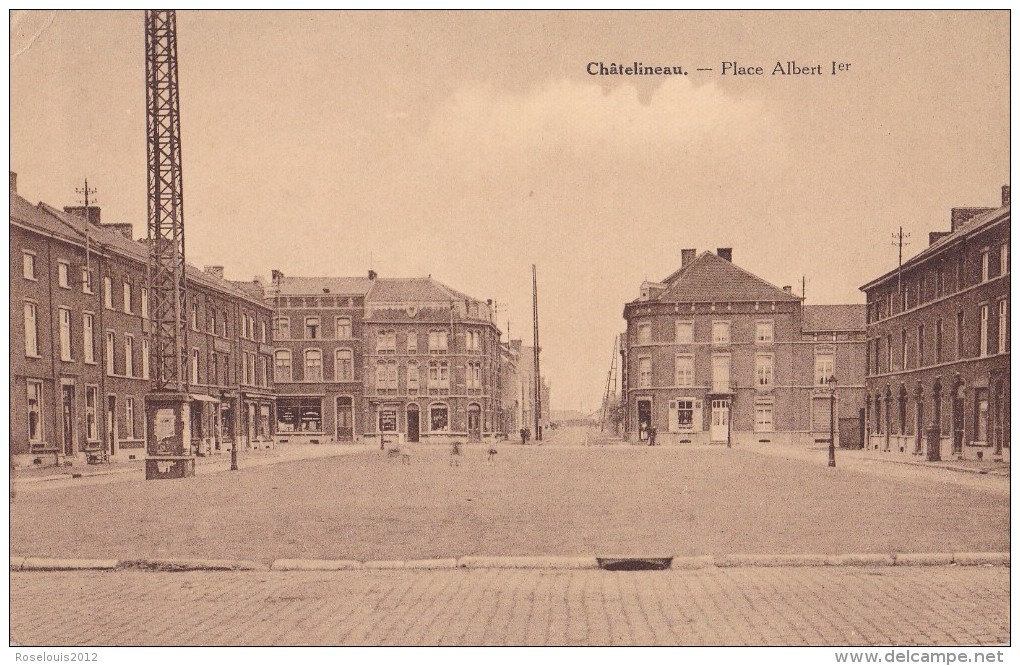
(509, 328)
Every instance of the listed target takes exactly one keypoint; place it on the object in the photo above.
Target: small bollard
(233, 458)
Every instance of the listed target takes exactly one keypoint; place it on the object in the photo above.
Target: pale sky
(469, 146)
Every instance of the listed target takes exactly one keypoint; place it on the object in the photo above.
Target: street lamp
(831, 381)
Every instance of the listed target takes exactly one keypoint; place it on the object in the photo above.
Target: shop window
(439, 418)
(298, 415)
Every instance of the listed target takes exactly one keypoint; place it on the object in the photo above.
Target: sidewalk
(973, 466)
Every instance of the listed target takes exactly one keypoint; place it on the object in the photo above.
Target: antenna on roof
(85, 192)
(898, 239)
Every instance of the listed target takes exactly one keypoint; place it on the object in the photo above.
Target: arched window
(344, 369)
(439, 418)
(283, 368)
(313, 365)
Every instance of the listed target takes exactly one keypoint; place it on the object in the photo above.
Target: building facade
(80, 343)
(714, 354)
(938, 342)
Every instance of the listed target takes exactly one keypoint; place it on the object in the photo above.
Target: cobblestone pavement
(765, 606)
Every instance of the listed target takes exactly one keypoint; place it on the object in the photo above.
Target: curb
(684, 563)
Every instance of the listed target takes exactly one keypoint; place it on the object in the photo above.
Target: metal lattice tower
(166, 278)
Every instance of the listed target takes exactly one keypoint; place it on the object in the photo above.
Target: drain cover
(632, 563)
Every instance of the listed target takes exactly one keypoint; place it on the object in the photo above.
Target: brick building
(716, 354)
(80, 344)
(938, 342)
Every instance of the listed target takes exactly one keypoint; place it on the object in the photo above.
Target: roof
(970, 227)
(307, 286)
(409, 290)
(834, 318)
(711, 278)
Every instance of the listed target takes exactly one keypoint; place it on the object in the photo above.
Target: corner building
(714, 354)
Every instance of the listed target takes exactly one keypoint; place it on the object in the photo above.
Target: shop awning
(203, 398)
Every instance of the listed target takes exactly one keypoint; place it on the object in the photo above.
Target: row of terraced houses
(317, 360)
(714, 354)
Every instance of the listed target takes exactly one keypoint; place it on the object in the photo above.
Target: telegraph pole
(86, 191)
(898, 240)
(538, 373)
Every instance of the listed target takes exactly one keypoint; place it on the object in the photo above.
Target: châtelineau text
(731, 68)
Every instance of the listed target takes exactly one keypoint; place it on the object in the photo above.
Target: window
(86, 280)
(981, 415)
(1004, 259)
(437, 341)
(249, 367)
(65, 334)
(28, 266)
(64, 275)
(91, 425)
(984, 265)
(888, 353)
(210, 320)
(959, 335)
(311, 328)
(763, 417)
(984, 330)
(145, 303)
(263, 371)
(344, 369)
(439, 375)
(299, 414)
(31, 329)
(685, 414)
(938, 341)
(720, 332)
(685, 371)
(903, 349)
(35, 422)
(413, 377)
(89, 337)
(194, 316)
(281, 328)
(386, 341)
(145, 358)
(129, 418)
(282, 367)
(474, 375)
(111, 344)
(439, 418)
(824, 362)
(644, 372)
(644, 333)
(194, 366)
(108, 292)
(473, 339)
(763, 370)
(127, 297)
(721, 373)
(763, 332)
(920, 347)
(313, 365)
(684, 332)
(263, 333)
(1003, 323)
(129, 355)
(412, 342)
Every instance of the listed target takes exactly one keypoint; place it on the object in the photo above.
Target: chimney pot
(215, 271)
(687, 255)
(788, 288)
(725, 253)
(1005, 192)
(277, 276)
(93, 216)
(372, 274)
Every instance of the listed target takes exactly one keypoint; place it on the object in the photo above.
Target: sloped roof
(308, 286)
(408, 290)
(37, 217)
(834, 318)
(710, 278)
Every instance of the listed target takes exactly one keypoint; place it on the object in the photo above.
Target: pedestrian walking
(405, 454)
(455, 454)
(491, 460)
(651, 436)
(524, 436)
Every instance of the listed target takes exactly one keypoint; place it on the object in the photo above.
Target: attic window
(325, 290)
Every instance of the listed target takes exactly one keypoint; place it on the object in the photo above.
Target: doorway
(111, 424)
(344, 419)
(70, 438)
(644, 418)
(474, 420)
(720, 421)
(958, 423)
(413, 423)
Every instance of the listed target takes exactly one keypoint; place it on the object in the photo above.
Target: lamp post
(831, 381)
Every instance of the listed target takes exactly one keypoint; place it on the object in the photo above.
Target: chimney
(215, 271)
(687, 255)
(372, 274)
(959, 216)
(788, 288)
(80, 212)
(277, 276)
(725, 253)
(14, 183)
(1005, 191)
(123, 228)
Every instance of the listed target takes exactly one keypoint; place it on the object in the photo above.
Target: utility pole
(803, 287)
(538, 372)
(610, 391)
(898, 240)
(168, 406)
(86, 191)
